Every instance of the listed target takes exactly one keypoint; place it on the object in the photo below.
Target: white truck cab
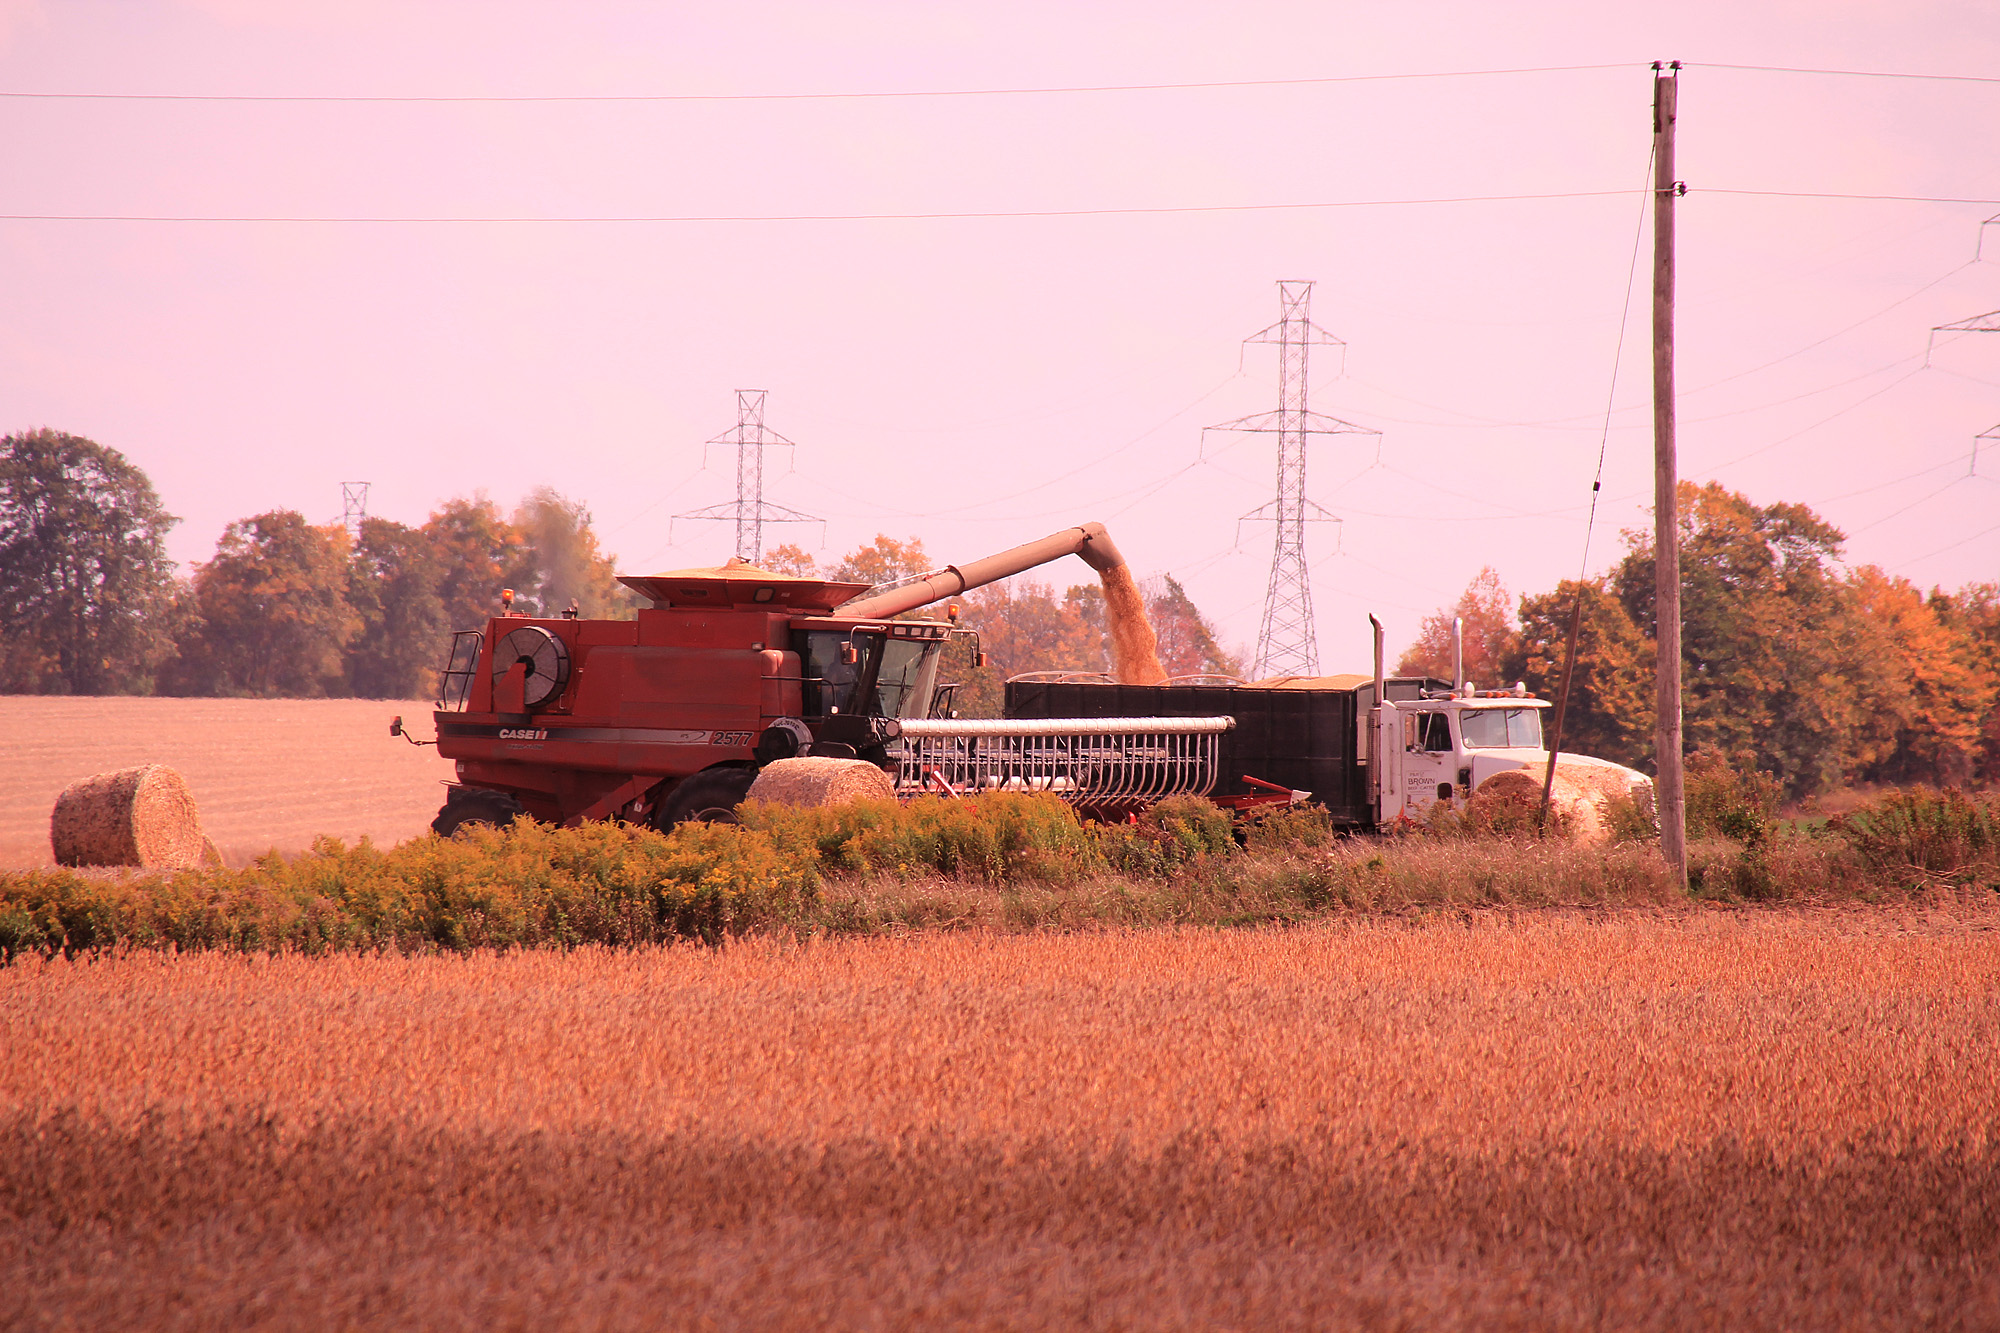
(1440, 748)
(1445, 744)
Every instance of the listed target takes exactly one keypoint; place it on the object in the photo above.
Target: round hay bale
(141, 816)
(821, 781)
(1575, 795)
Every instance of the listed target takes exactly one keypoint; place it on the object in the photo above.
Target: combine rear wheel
(475, 805)
(709, 797)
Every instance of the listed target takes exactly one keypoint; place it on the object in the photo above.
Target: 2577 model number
(730, 738)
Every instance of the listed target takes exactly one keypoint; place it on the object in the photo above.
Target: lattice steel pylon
(353, 507)
(750, 513)
(1287, 644)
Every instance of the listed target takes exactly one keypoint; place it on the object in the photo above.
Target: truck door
(1428, 769)
(1386, 759)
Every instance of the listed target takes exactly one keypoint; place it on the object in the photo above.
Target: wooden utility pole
(1669, 791)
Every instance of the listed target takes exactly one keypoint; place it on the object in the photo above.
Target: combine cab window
(829, 682)
(889, 678)
(1501, 728)
(903, 684)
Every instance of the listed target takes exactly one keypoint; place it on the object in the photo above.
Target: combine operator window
(1501, 728)
(903, 684)
(829, 682)
(890, 676)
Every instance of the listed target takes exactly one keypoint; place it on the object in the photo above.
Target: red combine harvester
(670, 716)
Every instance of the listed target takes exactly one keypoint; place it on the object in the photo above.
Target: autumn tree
(1972, 614)
(86, 589)
(1931, 692)
(275, 619)
(1022, 627)
(394, 581)
(789, 559)
(1491, 642)
(1610, 713)
(883, 560)
(564, 564)
(479, 553)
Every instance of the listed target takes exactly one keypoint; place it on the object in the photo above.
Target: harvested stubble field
(265, 773)
(1636, 1119)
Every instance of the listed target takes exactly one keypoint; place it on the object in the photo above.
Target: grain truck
(1373, 750)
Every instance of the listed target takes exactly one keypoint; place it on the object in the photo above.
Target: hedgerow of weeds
(1923, 836)
(1005, 836)
(527, 885)
(1008, 861)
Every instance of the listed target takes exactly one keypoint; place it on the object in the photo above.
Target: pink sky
(976, 382)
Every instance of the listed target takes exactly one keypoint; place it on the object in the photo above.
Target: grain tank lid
(1345, 681)
(740, 583)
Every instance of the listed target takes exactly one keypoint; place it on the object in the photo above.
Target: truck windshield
(1500, 728)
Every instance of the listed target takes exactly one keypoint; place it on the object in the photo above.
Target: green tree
(393, 586)
(86, 589)
(1610, 713)
(1187, 645)
(275, 618)
(1491, 642)
(1770, 637)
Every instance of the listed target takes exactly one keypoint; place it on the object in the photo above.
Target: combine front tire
(709, 797)
(475, 805)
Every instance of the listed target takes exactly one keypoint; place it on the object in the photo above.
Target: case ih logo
(731, 738)
(523, 734)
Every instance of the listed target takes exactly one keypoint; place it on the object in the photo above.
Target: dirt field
(265, 772)
(1717, 1120)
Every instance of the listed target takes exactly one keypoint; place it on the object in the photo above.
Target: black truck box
(1298, 737)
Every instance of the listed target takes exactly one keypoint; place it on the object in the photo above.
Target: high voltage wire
(809, 217)
(1135, 211)
(890, 94)
(810, 97)
(1843, 73)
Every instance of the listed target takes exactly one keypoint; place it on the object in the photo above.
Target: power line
(1983, 201)
(1844, 73)
(558, 98)
(809, 217)
(975, 215)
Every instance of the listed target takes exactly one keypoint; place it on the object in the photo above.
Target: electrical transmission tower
(750, 513)
(1986, 323)
(1286, 642)
(353, 507)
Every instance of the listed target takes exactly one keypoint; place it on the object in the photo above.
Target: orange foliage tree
(1491, 642)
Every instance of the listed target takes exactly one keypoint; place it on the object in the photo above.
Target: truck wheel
(709, 797)
(475, 805)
